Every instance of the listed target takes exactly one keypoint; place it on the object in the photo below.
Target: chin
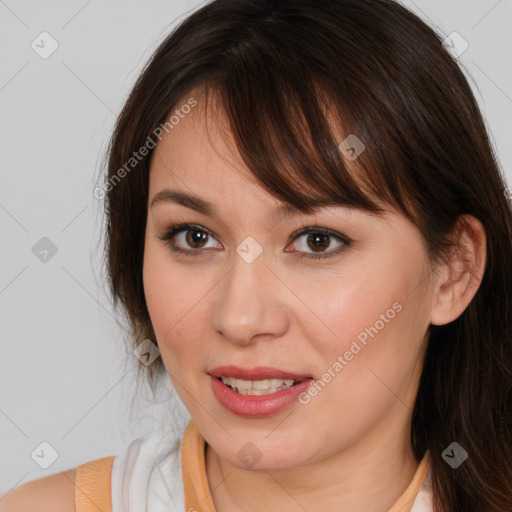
(262, 450)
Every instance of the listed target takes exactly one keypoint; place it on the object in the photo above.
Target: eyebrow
(205, 207)
(285, 210)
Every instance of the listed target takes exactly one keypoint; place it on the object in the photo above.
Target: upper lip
(255, 373)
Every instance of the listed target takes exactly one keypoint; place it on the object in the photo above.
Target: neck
(369, 476)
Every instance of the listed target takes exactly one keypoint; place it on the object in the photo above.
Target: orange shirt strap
(92, 486)
(406, 500)
(193, 463)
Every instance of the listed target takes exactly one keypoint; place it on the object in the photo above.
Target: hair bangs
(294, 140)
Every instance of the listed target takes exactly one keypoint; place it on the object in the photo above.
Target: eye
(187, 235)
(181, 236)
(318, 240)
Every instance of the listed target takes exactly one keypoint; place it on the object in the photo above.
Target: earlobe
(462, 274)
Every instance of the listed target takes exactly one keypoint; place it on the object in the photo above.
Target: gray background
(66, 377)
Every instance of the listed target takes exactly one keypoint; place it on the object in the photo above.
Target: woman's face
(247, 299)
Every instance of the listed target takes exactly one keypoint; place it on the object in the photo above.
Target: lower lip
(257, 405)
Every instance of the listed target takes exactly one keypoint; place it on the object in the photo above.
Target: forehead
(197, 143)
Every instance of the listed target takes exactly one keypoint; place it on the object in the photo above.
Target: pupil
(318, 239)
(193, 240)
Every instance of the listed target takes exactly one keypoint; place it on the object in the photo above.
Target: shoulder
(54, 493)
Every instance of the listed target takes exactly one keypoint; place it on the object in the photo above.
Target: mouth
(261, 391)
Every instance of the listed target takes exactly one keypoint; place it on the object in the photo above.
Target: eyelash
(174, 229)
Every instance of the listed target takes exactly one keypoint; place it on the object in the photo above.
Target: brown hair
(385, 76)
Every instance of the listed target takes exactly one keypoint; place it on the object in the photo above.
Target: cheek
(368, 360)
(375, 318)
(173, 296)
(348, 307)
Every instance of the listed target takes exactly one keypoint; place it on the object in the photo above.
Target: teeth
(240, 384)
(257, 387)
(261, 384)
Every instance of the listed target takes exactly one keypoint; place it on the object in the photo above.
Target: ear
(460, 277)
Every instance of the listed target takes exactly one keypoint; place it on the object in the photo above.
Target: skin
(348, 448)
(53, 493)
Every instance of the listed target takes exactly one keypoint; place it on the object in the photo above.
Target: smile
(257, 392)
(258, 387)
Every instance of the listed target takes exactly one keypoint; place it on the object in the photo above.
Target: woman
(305, 214)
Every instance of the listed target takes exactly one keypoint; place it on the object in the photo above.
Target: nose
(250, 305)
